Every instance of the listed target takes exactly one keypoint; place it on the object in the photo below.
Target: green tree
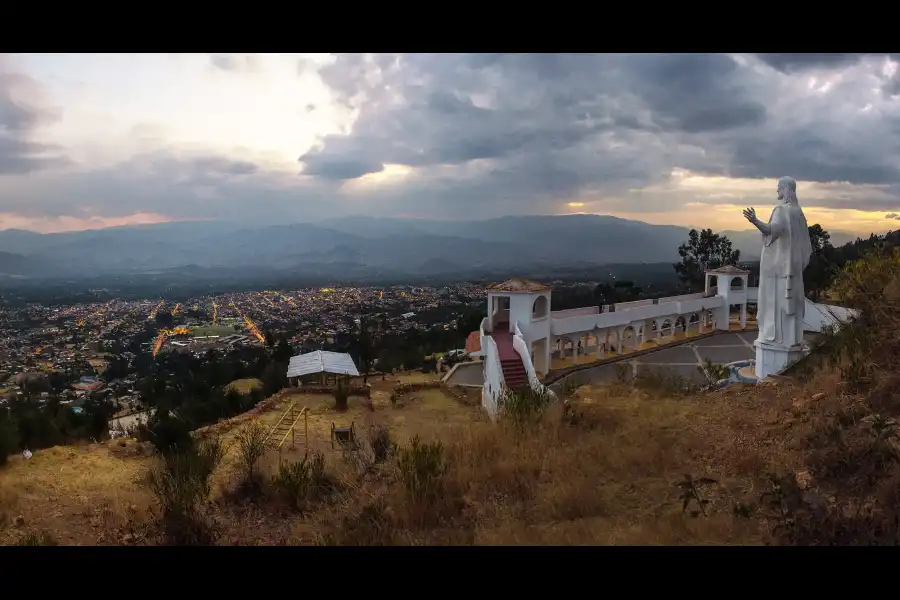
(364, 344)
(274, 378)
(469, 321)
(704, 250)
(9, 434)
(819, 238)
(268, 336)
(822, 269)
(283, 351)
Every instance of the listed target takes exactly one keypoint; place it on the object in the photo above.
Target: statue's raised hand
(750, 214)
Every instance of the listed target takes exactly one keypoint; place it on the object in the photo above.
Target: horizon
(95, 141)
(324, 222)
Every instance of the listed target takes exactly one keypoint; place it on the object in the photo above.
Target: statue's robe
(785, 254)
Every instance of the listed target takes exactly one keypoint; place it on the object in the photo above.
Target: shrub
(167, 433)
(341, 395)
(181, 483)
(663, 381)
(852, 442)
(256, 396)
(568, 387)
(370, 526)
(867, 348)
(37, 539)
(714, 372)
(301, 481)
(624, 372)
(380, 443)
(523, 406)
(429, 365)
(234, 402)
(9, 436)
(251, 442)
(422, 469)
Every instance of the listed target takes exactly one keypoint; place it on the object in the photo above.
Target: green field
(207, 330)
(244, 385)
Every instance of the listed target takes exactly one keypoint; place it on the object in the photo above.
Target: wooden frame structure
(286, 427)
(344, 436)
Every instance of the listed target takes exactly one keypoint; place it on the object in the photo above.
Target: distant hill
(16, 265)
(354, 245)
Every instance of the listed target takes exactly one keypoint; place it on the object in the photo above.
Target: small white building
(522, 306)
(321, 364)
(731, 286)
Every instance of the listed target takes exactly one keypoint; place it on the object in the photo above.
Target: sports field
(207, 330)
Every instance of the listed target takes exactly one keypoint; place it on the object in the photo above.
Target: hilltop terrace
(561, 339)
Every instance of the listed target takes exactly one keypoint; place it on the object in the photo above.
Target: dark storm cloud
(797, 63)
(185, 187)
(537, 116)
(789, 63)
(553, 125)
(335, 168)
(811, 156)
(20, 116)
(492, 134)
(694, 93)
(892, 85)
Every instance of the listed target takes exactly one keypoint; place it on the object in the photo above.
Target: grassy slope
(609, 478)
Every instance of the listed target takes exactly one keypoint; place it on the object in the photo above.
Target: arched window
(540, 308)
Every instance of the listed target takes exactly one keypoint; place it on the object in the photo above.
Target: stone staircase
(514, 375)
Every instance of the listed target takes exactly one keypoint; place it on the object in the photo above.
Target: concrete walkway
(467, 373)
(684, 360)
(681, 360)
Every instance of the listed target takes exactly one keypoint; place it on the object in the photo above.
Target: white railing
(575, 312)
(592, 319)
(520, 346)
(493, 373)
(621, 306)
(630, 313)
(822, 317)
(682, 298)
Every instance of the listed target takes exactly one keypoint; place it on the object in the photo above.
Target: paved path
(468, 373)
(682, 360)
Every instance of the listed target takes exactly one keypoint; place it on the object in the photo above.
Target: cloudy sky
(97, 140)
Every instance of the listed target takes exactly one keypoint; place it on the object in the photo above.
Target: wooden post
(306, 430)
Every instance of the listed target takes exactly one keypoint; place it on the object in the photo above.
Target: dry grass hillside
(610, 470)
(807, 459)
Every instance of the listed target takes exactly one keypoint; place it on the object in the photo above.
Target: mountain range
(352, 245)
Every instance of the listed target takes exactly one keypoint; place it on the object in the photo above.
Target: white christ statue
(781, 303)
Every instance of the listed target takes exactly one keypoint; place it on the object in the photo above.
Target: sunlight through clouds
(88, 139)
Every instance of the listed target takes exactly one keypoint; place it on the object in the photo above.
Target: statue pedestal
(771, 359)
